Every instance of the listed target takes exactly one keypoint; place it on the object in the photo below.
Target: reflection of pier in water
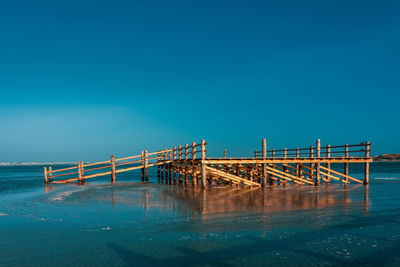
(192, 203)
(222, 200)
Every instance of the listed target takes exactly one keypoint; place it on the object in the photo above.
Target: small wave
(387, 178)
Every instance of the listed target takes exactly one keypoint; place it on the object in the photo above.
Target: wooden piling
(174, 166)
(311, 165)
(366, 175)
(79, 167)
(317, 174)
(158, 167)
(328, 165)
(180, 164)
(50, 174)
(271, 176)
(45, 175)
(146, 167)
(194, 175)
(113, 173)
(346, 165)
(186, 164)
(264, 165)
(203, 164)
(170, 166)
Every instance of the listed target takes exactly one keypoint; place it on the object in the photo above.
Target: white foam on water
(387, 178)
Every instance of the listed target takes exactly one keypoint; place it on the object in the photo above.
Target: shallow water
(130, 223)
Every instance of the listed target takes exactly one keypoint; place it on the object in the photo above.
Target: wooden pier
(188, 165)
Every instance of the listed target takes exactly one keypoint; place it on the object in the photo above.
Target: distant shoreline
(35, 163)
(387, 158)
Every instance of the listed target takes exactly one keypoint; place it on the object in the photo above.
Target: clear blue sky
(81, 80)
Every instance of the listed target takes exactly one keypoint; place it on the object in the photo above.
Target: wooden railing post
(45, 175)
(367, 148)
(194, 175)
(113, 173)
(264, 165)
(146, 166)
(80, 180)
(328, 164)
(50, 174)
(285, 153)
(224, 153)
(346, 165)
(203, 164)
(317, 174)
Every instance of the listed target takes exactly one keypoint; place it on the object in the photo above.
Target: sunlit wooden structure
(188, 165)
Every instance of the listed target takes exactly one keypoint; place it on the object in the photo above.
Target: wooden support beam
(328, 164)
(271, 175)
(79, 167)
(174, 163)
(158, 168)
(264, 166)
(113, 173)
(186, 164)
(203, 165)
(162, 166)
(180, 164)
(194, 175)
(366, 173)
(146, 167)
(170, 167)
(346, 165)
(142, 163)
(343, 175)
(311, 165)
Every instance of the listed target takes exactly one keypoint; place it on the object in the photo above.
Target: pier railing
(356, 150)
(145, 160)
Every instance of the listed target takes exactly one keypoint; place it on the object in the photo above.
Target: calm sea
(135, 224)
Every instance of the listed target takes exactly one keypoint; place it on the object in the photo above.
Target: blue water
(134, 224)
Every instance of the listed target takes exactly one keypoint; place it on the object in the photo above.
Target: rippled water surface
(130, 223)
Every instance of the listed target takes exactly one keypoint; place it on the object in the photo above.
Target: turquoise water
(135, 224)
